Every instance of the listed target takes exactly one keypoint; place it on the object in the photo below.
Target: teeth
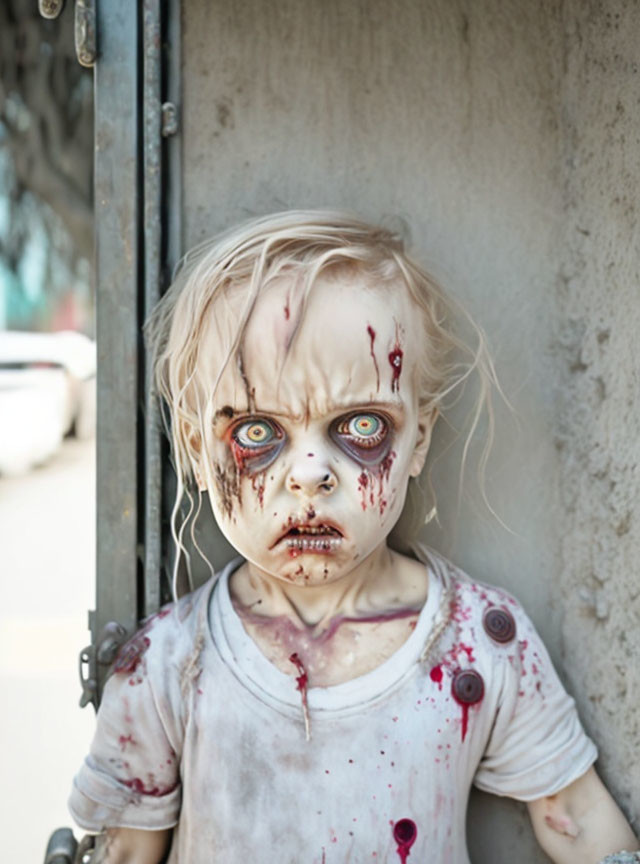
(304, 544)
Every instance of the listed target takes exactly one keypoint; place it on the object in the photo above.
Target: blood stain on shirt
(138, 786)
(405, 832)
(131, 653)
(302, 683)
(436, 675)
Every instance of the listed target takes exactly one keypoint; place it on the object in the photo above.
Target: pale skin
(307, 473)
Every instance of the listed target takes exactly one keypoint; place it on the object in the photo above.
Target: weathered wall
(597, 354)
(482, 125)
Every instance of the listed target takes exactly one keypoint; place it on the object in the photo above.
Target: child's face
(307, 464)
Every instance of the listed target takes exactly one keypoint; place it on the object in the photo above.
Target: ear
(427, 416)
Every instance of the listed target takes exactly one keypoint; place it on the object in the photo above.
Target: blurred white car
(47, 390)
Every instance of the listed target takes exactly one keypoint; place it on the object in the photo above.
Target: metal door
(208, 113)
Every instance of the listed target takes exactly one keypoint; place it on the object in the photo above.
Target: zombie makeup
(320, 458)
(255, 443)
(365, 436)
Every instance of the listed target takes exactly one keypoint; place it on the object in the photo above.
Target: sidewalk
(47, 576)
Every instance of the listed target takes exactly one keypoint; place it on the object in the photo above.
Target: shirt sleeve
(537, 745)
(130, 779)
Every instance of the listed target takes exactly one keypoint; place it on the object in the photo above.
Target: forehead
(353, 343)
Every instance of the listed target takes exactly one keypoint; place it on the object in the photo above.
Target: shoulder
(485, 622)
(167, 637)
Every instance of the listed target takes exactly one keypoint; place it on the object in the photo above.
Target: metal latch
(84, 26)
(112, 637)
(85, 31)
(169, 119)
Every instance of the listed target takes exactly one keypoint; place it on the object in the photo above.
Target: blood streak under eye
(366, 481)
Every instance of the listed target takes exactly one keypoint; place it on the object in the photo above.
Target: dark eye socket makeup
(255, 442)
(364, 435)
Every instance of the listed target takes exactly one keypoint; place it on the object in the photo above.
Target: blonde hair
(305, 244)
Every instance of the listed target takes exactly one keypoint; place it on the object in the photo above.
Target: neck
(370, 587)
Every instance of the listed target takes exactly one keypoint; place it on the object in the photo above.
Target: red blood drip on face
(372, 339)
(287, 310)
(363, 482)
(384, 470)
(405, 832)
(257, 484)
(395, 360)
(240, 456)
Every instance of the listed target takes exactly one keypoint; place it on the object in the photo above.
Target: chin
(304, 571)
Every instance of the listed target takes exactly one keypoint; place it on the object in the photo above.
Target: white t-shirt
(200, 732)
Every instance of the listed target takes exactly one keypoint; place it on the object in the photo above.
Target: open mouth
(319, 538)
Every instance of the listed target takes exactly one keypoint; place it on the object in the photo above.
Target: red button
(467, 686)
(499, 624)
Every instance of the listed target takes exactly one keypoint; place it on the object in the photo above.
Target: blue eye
(363, 430)
(364, 436)
(255, 434)
(365, 426)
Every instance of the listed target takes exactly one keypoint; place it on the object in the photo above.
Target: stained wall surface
(493, 130)
(597, 361)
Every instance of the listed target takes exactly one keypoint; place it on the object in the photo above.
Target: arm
(582, 823)
(133, 846)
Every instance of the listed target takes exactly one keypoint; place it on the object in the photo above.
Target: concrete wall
(596, 352)
(493, 130)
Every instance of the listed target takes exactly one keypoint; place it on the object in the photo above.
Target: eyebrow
(394, 408)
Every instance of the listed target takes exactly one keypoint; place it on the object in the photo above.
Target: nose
(310, 474)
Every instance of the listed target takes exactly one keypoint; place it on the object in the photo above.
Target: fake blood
(302, 682)
(405, 833)
(465, 717)
(257, 484)
(131, 653)
(395, 360)
(436, 676)
(138, 786)
(384, 472)
(372, 339)
(363, 482)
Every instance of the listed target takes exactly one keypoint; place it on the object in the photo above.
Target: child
(324, 699)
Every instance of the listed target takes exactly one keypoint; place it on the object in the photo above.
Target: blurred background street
(47, 573)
